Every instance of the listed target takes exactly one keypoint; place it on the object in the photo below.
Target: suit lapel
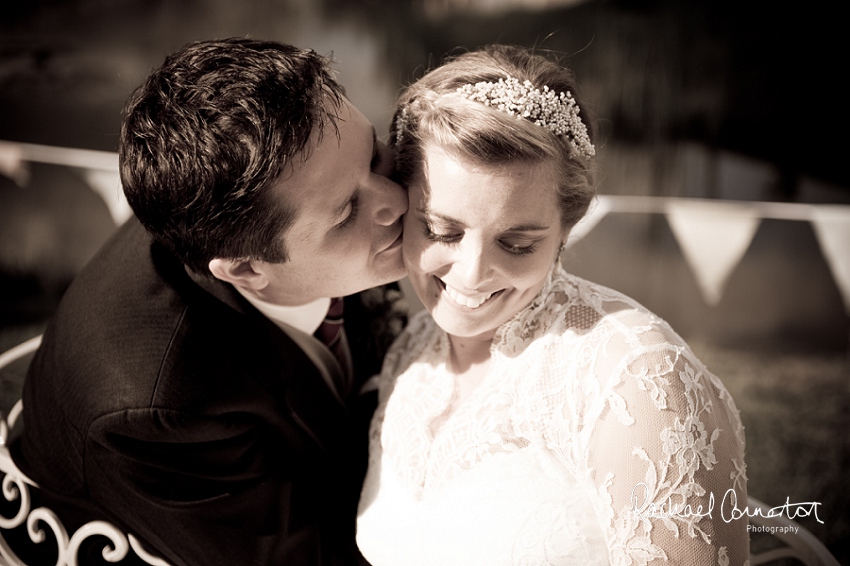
(325, 363)
(222, 291)
(300, 370)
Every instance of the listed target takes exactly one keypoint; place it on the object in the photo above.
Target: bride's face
(479, 241)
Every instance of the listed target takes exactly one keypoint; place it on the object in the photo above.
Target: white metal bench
(16, 486)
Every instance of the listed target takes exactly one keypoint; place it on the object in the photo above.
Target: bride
(529, 416)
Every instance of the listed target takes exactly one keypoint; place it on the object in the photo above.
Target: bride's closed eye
(451, 238)
(517, 249)
(440, 237)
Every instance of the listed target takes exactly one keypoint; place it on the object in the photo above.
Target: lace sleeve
(665, 451)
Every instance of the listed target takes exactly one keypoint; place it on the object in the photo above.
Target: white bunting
(832, 226)
(107, 184)
(597, 211)
(714, 236)
(12, 164)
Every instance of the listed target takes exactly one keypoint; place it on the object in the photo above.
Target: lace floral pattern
(600, 401)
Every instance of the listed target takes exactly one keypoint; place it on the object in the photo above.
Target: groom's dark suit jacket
(166, 403)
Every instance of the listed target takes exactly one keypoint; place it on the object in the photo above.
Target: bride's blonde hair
(432, 111)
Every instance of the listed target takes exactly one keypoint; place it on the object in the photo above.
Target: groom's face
(347, 230)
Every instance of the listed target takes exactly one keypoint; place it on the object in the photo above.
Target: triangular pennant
(12, 164)
(832, 226)
(597, 211)
(714, 237)
(108, 185)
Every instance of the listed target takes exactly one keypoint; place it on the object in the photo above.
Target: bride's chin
(462, 322)
(465, 331)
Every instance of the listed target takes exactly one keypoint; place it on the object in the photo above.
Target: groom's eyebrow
(376, 152)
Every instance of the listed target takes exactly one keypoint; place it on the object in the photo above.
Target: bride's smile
(469, 300)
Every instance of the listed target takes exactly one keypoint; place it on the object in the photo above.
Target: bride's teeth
(462, 299)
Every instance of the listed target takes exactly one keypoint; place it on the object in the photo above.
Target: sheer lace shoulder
(602, 437)
(419, 335)
(623, 402)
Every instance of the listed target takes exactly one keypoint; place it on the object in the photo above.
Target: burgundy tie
(332, 334)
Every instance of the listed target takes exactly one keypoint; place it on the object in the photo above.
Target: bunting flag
(12, 164)
(600, 207)
(832, 226)
(714, 236)
(107, 184)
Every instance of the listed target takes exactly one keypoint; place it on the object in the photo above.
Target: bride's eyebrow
(528, 228)
(426, 211)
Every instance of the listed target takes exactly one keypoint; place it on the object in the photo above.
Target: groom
(189, 388)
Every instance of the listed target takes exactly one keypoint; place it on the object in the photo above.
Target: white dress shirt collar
(306, 318)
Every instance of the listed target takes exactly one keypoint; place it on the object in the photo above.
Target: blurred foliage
(759, 80)
(795, 407)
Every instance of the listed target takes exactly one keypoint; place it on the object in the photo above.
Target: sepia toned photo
(423, 282)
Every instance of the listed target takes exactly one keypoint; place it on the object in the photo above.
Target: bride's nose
(474, 265)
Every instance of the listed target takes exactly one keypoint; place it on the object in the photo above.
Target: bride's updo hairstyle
(452, 109)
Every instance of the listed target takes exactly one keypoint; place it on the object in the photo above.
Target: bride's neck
(469, 361)
(469, 354)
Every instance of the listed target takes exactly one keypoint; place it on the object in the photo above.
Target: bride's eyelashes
(440, 238)
(451, 239)
(517, 249)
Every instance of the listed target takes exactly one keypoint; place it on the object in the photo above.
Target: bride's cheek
(424, 258)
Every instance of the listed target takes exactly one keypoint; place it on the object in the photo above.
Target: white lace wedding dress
(594, 428)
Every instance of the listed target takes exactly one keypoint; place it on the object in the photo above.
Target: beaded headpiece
(401, 121)
(558, 113)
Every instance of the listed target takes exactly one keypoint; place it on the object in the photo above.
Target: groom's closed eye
(352, 209)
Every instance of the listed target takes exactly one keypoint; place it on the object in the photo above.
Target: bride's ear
(239, 273)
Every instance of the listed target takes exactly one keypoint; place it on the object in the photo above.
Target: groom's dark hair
(207, 136)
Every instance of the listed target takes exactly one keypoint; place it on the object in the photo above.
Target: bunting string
(714, 235)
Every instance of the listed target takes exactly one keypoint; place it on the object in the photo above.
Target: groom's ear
(239, 273)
